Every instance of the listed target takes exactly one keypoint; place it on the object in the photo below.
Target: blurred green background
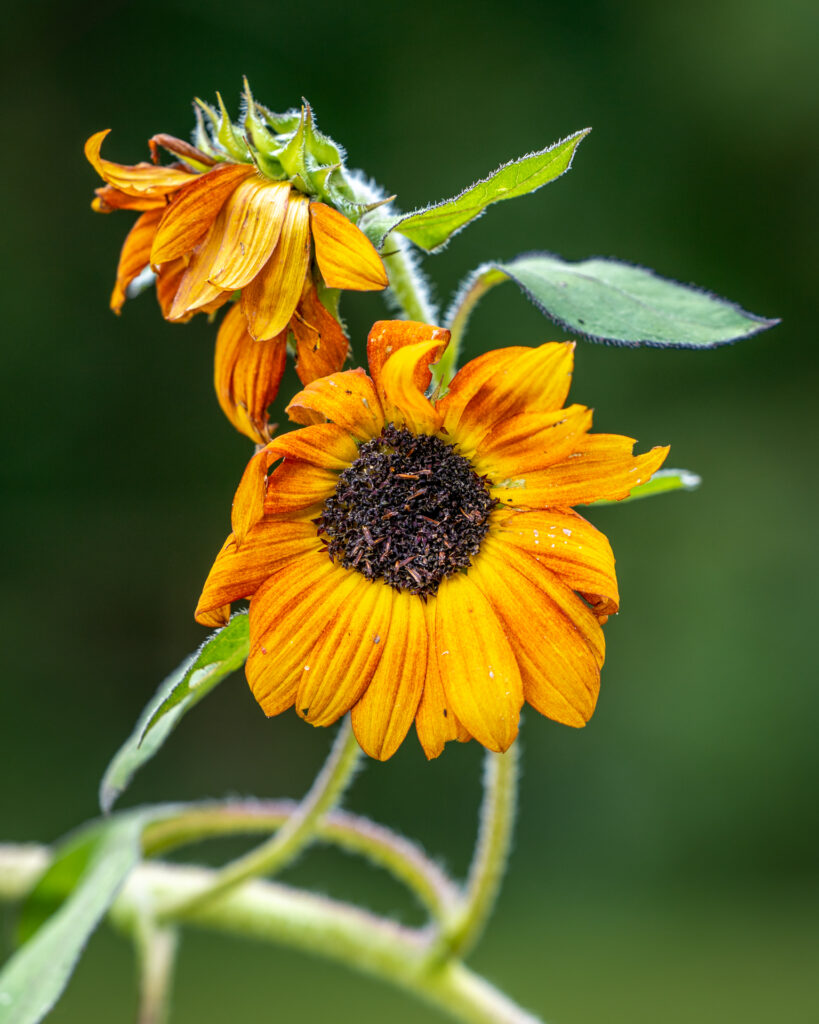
(666, 858)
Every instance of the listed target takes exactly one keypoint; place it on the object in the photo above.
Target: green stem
(491, 853)
(456, 320)
(295, 834)
(406, 283)
(157, 955)
(404, 859)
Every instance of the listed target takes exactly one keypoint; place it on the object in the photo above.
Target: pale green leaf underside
(664, 480)
(433, 226)
(606, 300)
(33, 979)
(223, 653)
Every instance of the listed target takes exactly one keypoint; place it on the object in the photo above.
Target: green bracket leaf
(98, 859)
(223, 653)
(614, 302)
(433, 226)
(663, 481)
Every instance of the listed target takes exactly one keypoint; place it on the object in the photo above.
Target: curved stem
(457, 317)
(295, 834)
(404, 859)
(406, 281)
(491, 853)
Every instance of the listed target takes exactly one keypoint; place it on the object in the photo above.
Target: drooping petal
(478, 668)
(239, 571)
(107, 199)
(246, 375)
(140, 179)
(556, 639)
(179, 147)
(389, 336)
(347, 399)
(295, 485)
(346, 257)
(133, 258)
(321, 344)
(194, 209)
(405, 404)
(325, 445)
(531, 441)
(574, 550)
(601, 467)
(384, 713)
(346, 655)
(435, 721)
(272, 296)
(251, 232)
(287, 615)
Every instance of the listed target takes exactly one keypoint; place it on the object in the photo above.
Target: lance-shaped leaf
(223, 652)
(663, 481)
(97, 862)
(610, 301)
(433, 226)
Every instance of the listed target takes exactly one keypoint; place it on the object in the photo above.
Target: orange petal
(556, 639)
(565, 543)
(270, 299)
(478, 668)
(193, 210)
(469, 380)
(388, 336)
(346, 257)
(295, 485)
(531, 441)
(252, 229)
(239, 571)
(348, 399)
(246, 375)
(248, 502)
(108, 199)
(287, 615)
(382, 717)
(348, 651)
(321, 344)
(435, 722)
(325, 445)
(404, 402)
(139, 180)
(601, 467)
(133, 258)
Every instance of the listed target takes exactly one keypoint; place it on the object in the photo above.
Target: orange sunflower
(413, 559)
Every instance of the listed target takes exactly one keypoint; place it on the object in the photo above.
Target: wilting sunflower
(419, 559)
(211, 229)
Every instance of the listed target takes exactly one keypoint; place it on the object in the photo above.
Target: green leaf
(606, 300)
(221, 654)
(433, 226)
(100, 858)
(664, 480)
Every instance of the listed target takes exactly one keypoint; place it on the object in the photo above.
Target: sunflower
(418, 559)
(211, 229)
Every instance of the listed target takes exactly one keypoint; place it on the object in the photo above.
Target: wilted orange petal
(272, 296)
(347, 399)
(251, 232)
(248, 502)
(246, 375)
(134, 256)
(139, 180)
(194, 209)
(108, 199)
(346, 257)
(179, 148)
(388, 336)
(321, 344)
(195, 290)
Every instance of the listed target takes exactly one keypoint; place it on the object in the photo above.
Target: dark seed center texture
(409, 511)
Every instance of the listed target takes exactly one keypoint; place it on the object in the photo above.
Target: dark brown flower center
(409, 511)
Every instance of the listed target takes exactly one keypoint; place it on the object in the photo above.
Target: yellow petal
(347, 399)
(134, 256)
(478, 668)
(139, 180)
(251, 232)
(272, 296)
(436, 723)
(404, 402)
(382, 717)
(346, 257)
(194, 209)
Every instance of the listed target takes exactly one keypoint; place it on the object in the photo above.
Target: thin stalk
(295, 834)
(458, 317)
(157, 956)
(491, 852)
(404, 859)
(407, 285)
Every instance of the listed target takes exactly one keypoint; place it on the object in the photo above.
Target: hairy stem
(298, 831)
(457, 318)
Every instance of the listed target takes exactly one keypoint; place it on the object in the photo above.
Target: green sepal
(227, 135)
(663, 481)
(618, 303)
(221, 654)
(431, 228)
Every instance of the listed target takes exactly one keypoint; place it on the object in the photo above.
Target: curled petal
(347, 399)
(346, 257)
(133, 258)
(108, 199)
(139, 180)
(321, 344)
(388, 336)
(246, 375)
(251, 232)
(404, 402)
(184, 150)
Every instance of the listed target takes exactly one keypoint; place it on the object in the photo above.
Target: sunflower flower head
(411, 558)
